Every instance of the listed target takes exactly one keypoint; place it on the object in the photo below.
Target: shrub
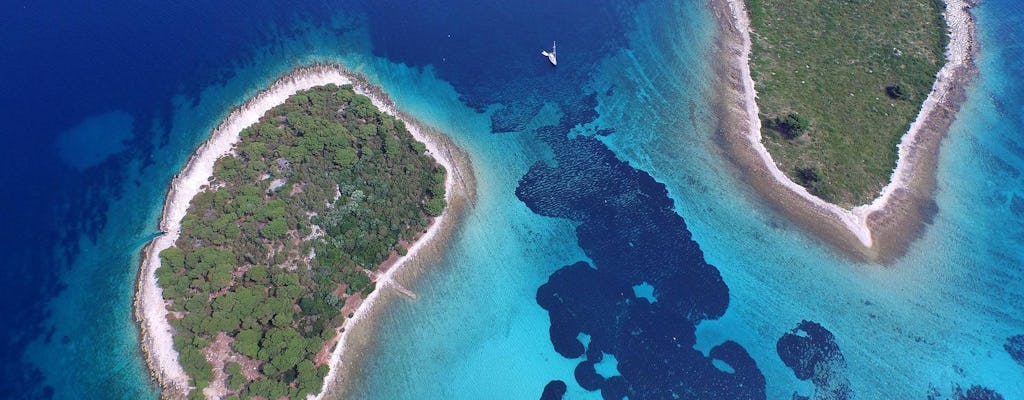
(235, 377)
(790, 126)
(809, 178)
(808, 175)
(247, 342)
(898, 92)
(275, 229)
(435, 206)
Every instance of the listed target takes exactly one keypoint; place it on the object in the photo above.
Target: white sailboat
(550, 55)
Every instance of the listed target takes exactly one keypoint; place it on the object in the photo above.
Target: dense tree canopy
(319, 192)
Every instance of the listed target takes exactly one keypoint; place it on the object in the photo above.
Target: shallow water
(633, 78)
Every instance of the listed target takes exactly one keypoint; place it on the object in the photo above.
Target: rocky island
(280, 231)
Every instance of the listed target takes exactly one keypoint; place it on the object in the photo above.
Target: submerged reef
(811, 352)
(1015, 347)
(554, 390)
(629, 229)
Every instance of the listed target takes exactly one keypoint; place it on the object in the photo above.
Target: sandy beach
(879, 231)
(150, 308)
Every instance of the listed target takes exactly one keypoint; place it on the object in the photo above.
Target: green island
(839, 82)
(317, 195)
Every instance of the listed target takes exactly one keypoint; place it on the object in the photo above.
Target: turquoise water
(937, 318)
(471, 313)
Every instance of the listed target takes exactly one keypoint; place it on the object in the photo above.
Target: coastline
(150, 307)
(882, 230)
(459, 190)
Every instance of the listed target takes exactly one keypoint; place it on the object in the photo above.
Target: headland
(881, 230)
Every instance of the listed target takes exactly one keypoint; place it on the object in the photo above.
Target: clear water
(104, 103)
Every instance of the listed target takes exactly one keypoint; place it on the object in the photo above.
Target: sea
(613, 251)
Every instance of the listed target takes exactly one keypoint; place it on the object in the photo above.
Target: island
(834, 110)
(282, 230)
(838, 84)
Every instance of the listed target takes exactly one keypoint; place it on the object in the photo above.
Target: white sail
(551, 55)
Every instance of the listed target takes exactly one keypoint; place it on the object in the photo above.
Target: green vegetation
(321, 191)
(790, 126)
(839, 82)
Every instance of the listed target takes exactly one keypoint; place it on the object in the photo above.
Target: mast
(551, 56)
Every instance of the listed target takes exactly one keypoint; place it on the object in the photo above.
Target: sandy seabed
(882, 230)
(150, 306)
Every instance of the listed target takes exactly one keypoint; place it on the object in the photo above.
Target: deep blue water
(612, 251)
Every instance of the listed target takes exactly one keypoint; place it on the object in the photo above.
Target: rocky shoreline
(150, 307)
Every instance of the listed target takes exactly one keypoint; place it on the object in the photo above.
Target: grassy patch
(856, 71)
